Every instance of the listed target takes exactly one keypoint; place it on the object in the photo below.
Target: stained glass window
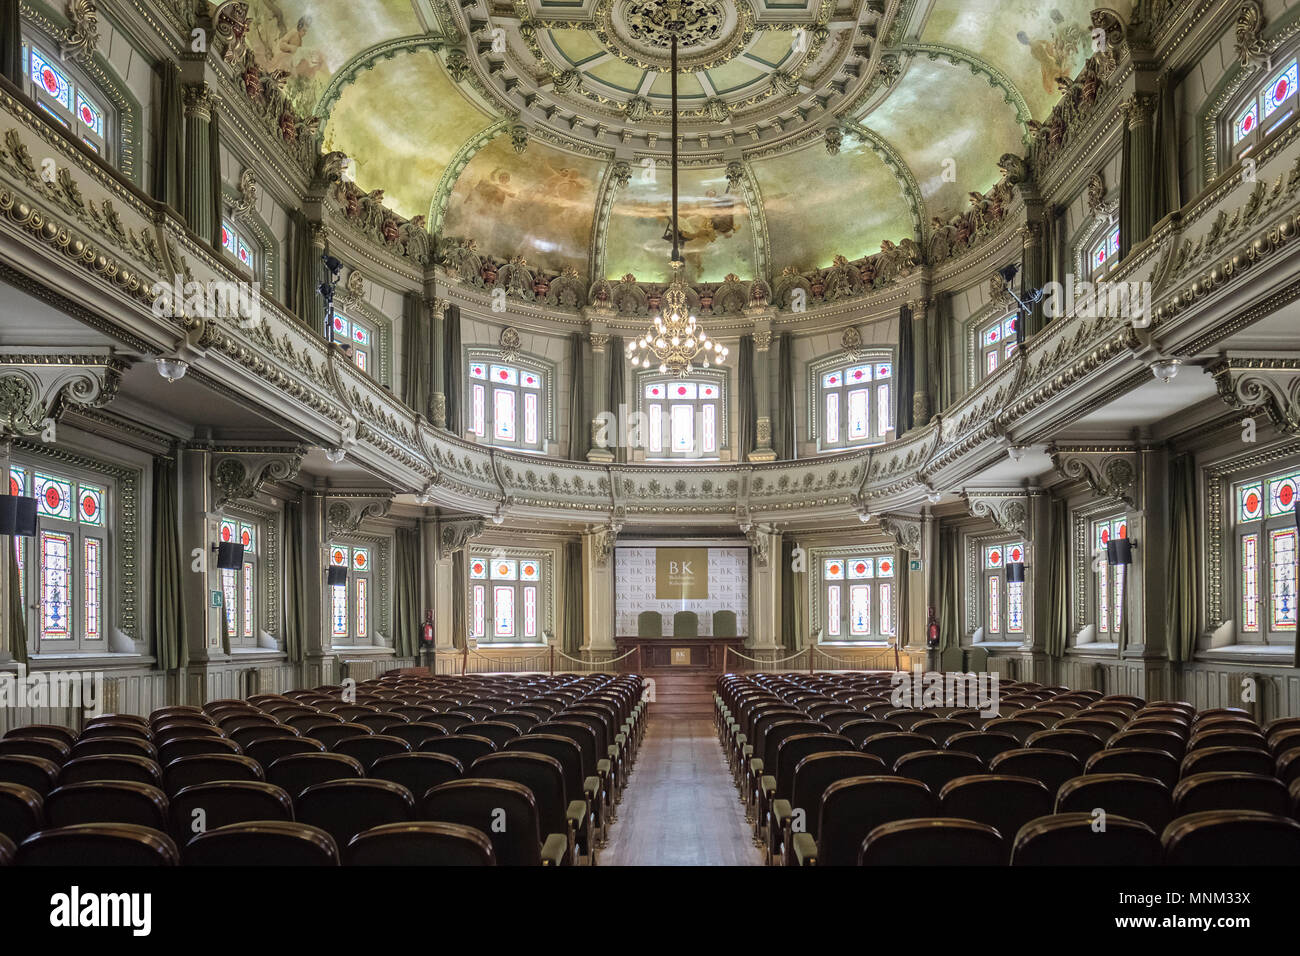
(1004, 601)
(1104, 254)
(1108, 585)
(248, 598)
(683, 418)
(1280, 89)
(849, 605)
(90, 509)
(363, 607)
(1269, 106)
(1250, 501)
(1246, 122)
(1282, 574)
(1250, 582)
(238, 245)
(339, 611)
(53, 496)
(351, 608)
(51, 80)
(995, 604)
(61, 95)
(997, 343)
(517, 406)
(1266, 552)
(855, 407)
(56, 584)
(510, 608)
(1281, 495)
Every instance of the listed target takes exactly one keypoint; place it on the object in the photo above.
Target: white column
(765, 589)
(598, 597)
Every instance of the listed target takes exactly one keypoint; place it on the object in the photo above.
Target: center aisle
(680, 807)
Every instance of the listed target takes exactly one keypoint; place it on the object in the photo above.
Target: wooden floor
(680, 807)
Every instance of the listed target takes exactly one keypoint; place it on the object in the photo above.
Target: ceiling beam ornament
(1110, 471)
(240, 472)
(454, 535)
(906, 532)
(38, 385)
(1009, 510)
(1254, 385)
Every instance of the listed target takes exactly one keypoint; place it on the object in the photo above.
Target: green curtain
(1055, 572)
(950, 604)
(214, 159)
(458, 589)
(617, 398)
(295, 591)
(17, 616)
(903, 599)
(746, 403)
(1126, 237)
(904, 374)
(783, 400)
(11, 45)
(579, 429)
(301, 282)
(406, 592)
(794, 618)
(1182, 596)
(941, 363)
(453, 372)
(571, 636)
(169, 644)
(415, 366)
(168, 136)
(1165, 133)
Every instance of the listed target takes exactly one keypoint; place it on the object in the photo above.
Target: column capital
(199, 100)
(1138, 109)
(762, 340)
(599, 340)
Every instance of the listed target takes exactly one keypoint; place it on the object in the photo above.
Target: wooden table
(706, 654)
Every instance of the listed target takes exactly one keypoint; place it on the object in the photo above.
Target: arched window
(1002, 600)
(858, 590)
(68, 98)
(997, 343)
(851, 401)
(64, 571)
(1269, 105)
(507, 597)
(1266, 558)
(508, 404)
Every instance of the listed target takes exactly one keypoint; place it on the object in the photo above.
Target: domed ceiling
(808, 129)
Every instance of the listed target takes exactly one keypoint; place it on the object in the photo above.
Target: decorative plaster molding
(38, 385)
(1253, 385)
(455, 534)
(1008, 510)
(239, 473)
(1110, 471)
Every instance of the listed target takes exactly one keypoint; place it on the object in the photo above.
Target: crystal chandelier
(675, 342)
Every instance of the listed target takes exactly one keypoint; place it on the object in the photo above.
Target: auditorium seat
(267, 751)
(1230, 791)
(369, 748)
(1144, 799)
(98, 844)
(420, 843)
(497, 731)
(857, 731)
(889, 747)
(851, 808)
(332, 734)
(1213, 737)
(21, 811)
(263, 843)
(415, 732)
(207, 768)
(480, 804)
(107, 801)
(111, 767)
(1231, 838)
(1145, 763)
(298, 772)
(543, 776)
(1004, 802)
(248, 735)
(1227, 759)
(417, 772)
(115, 745)
(1072, 839)
(43, 730)
(7, 851)
(209, 806)
(985, 744)
(343, 808)
(1287, 766)
(464, 747)
(932, 841)
(934, 768)
(47, 747)
(192, 746)
(1049, 767)
(35, 772)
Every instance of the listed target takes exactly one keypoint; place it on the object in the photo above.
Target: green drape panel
(783, 400)
(295, 590)
(1126, 237)
(169, 644)
(794, 617)
(406, 592)
(11, 45)
(903, 599)
(301, 283)
(16, 618)
(1056, 249)
(214, 161)
(459, 584)
(415, 365)
(453, 373)
(168, 136)
(1182, 597)
(942, 364)
(571, 636)
(1054, 573)
(746, 405)
(950, 606)
(579, 429)
(1165, 135)
(617, 398)
(904, 377)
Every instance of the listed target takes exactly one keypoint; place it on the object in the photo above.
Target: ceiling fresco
(528, 126)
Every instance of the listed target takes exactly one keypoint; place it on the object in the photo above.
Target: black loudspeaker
(1119, 551)
(337, 576)
(17, 515)
(230, 556)
(1016, 572)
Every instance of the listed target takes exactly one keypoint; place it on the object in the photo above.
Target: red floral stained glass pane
(1105, 535)
(835, 569)
(52, 498)
(860, 568)
(681, 389)
(1016, 555)
(245, 538)
(886, 566)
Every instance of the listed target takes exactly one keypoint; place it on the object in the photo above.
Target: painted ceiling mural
(503, 122)
(717, 236)
(539, 204)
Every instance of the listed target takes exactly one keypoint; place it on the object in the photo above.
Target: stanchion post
(552, 660)
(464, 661)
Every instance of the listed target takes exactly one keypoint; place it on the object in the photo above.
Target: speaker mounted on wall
(336, 576)
(18, 515)
(230, 556)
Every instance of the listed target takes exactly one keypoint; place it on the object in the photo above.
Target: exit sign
(914, 564)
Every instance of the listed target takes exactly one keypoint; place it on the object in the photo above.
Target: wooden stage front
(684, 670)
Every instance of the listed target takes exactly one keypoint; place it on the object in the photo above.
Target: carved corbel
(1250, 45)
(80, 40)
(1254, 385)
(239, 473)
(38, 385)
(1008, 510)
(1110, 471)
(602, 544)
(455, 534)
(346, 515)
(760, 542)
(905, 531)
